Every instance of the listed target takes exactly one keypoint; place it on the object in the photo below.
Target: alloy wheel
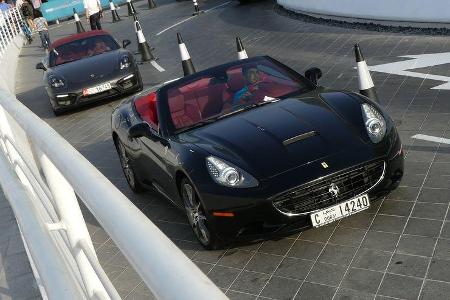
(195, 213)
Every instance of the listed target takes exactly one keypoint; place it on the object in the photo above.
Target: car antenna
(186, 61)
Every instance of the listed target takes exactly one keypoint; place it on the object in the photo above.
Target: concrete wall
(426, 11)
(8, 65)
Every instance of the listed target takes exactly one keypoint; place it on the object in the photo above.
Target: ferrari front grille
(331, 189)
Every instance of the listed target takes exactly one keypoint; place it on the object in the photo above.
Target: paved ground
(399, 249)
(16, 278)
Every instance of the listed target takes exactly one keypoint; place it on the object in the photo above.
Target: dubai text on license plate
(339, 211)
(97, 89)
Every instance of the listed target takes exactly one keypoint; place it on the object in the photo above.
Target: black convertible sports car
(251, 148)
(87, 67)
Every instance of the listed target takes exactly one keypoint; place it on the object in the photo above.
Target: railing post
(71, 217)
(8, 34)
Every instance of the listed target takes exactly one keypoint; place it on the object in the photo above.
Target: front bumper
(255, 216)
(122, 85)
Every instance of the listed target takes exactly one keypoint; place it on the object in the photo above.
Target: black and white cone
(80, 27)
(115, 15)
(151, 4)
(242, 54)
(186, 61)
(196, 8)
(131, 10)
(144, 48)
(366, 86)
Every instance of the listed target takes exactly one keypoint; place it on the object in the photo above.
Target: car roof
(78, 36)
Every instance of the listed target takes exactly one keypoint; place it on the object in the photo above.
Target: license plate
(339, 211)
(97, 89)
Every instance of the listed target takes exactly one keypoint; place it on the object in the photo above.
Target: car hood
(97, 68)
(278, 137)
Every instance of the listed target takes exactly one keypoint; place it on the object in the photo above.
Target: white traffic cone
(151, 4)
(366, 86)
(242, 54)
(186, 61)
(115, 15)
(144, 48)
(131, 9)
(196, 8)
(78, 22)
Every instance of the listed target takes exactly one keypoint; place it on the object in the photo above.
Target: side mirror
(313, 74)
(40, 66)
(125, 43)
(142, 130)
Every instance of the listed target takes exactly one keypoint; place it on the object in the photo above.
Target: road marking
(157, 66)
(187, 19)
(418, 61)
(431, 138)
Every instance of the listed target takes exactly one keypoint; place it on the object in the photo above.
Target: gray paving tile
(347, 236)
(321, 234)
(396, 208)
(127, 280)
(360, 221)
(336, 254)
(362, 280)
(233, 295)
(280, 247)
(371, 259)
(264, 263)
(416, 245)
(208, 256)
(294, 268)
(250, 282)
(400, 287)
(430, 211)
(446, 230)
(442, 249)
(409, 265)
(281, 288)
(439, 270)
(326, 274)
(306, 250)
(380, 241)
(311, 291)
(204, 267)
(423, 227)
(235, 258)
(346, 294)
(223, 277)
(394, 224)
(404, 193)
(434, 290)
(435, 195)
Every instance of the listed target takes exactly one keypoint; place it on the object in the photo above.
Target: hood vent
(299, 137)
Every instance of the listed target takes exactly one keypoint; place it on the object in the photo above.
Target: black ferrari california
(251, 148)
(87, 67)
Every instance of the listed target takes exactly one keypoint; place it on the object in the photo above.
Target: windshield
(79, 49)
(226, 90)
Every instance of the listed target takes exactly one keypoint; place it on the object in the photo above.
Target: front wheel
(197, 217)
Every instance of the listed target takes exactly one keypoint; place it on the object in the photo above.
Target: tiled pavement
(398, 249)
(16, 278)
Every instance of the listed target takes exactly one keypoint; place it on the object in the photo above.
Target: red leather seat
(183, 113)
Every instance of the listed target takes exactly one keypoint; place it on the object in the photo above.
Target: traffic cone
(366, 86)
(78, 22)
(144, 48)
(186, 62)
(115, 15)
(196, 8)
(242, 54)
(131, 10)
(151, 4)
(57, 21)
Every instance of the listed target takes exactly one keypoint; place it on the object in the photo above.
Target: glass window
(79, 49)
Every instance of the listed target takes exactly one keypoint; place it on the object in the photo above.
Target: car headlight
(227, 174)
(374, 122)
(125, 62)
(55, 81)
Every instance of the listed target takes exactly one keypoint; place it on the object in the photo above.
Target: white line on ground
(431, 138)
(157, 66)
(187, 19)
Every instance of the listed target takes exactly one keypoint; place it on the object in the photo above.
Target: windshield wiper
(248, 107)
(198, 124)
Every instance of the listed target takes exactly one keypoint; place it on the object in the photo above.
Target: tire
(127, 169)
(197, 217)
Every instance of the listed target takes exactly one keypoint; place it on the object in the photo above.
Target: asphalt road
(398, 249)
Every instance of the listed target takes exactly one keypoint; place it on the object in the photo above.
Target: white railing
(42, 176)
(11, 22)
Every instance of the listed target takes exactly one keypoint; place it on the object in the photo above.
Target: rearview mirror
(40, 66)
(142, 130)
(313, 74)
(125, 43)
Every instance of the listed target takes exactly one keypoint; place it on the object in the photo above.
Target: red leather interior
(146, 108)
